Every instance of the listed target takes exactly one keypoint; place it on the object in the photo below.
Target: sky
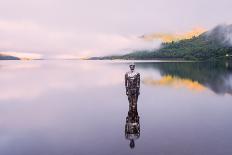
(83, 28)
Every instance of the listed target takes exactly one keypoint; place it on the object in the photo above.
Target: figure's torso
(132, 74)
(132, 79)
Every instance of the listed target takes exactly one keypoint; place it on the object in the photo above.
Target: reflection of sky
(30, 79)
(72, 107)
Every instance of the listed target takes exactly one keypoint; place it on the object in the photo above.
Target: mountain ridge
(210, 45)
(8, 57)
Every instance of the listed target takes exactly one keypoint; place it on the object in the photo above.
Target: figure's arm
(138, 83)
(126, 83)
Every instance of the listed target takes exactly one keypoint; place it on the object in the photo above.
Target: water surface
(80, 107)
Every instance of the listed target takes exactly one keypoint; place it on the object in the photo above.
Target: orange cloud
(166, 37)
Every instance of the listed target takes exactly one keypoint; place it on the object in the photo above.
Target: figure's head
(132, 67)
(132, 144)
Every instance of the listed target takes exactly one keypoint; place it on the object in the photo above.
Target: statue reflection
(132, 84)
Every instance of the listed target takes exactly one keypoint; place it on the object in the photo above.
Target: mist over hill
(213, 44)
(221, 34)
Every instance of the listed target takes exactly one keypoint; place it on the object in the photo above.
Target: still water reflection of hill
(216, 76)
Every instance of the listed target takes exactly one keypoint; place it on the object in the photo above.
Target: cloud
(25, 36)
(22, 36)
(165, 37)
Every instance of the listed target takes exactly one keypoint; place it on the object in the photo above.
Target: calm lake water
(80, 108)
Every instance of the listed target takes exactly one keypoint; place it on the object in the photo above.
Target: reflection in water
(216, 76)
(132, 84)
(58, 116)
(132, 127)
(176, 82)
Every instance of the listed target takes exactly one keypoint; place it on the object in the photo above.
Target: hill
(7, 57)
(214, 44)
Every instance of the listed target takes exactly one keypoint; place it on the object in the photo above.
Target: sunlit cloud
(165, 37)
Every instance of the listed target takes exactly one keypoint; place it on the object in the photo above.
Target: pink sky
(80, 28)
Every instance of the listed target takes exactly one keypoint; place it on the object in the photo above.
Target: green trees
(197, 48)
(208, 46)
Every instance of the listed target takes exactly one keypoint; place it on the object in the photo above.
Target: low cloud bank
(169, 37)
(29, 37)
(31, 40)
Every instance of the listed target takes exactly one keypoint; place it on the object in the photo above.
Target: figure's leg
(136, 100)
(134, 104)
(135, 97)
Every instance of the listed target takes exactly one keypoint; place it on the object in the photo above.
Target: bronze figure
(132, 84)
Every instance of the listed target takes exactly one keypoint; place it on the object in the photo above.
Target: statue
(132, 84)
(132, 127)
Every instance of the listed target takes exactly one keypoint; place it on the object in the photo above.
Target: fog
(222, 33)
